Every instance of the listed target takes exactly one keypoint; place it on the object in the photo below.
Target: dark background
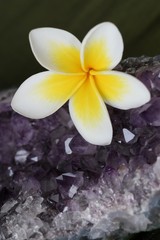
(138, 21)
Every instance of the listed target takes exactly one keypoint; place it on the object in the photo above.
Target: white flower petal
(56, 49)
(121, 90)
(89, 114)
(42, 94)
(102, 48)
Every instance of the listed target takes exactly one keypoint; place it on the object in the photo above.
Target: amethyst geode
(54, 185)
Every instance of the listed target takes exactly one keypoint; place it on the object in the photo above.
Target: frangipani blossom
(81, 73)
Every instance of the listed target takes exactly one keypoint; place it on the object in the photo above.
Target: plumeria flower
(81, 73)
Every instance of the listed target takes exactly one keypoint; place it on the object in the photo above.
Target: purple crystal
(81, 147)
(152, 113)
(67, 187)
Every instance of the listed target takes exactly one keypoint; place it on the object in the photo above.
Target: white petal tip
(17, 107)
(142, 99)
(31, 34)
(99, 140)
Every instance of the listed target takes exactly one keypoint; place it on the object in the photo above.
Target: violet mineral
(55, 185)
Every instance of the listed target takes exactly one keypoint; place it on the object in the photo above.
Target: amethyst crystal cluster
(54, 185)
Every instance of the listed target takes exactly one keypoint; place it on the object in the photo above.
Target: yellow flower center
(90, 73)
